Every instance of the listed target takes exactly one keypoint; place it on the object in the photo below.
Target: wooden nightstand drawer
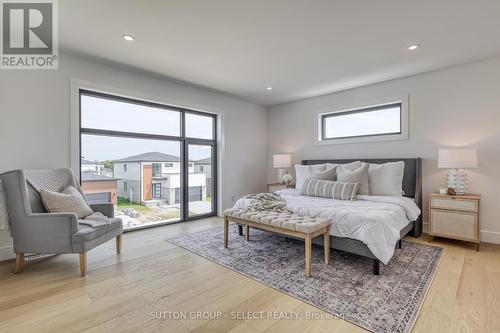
(455, 203)
(458, 225)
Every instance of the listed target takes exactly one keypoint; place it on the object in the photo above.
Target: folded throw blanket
(267, 202)
(95, 220)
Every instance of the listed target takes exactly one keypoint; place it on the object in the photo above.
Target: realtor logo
(29, 34)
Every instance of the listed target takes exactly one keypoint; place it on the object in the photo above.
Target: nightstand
(277, 186)
(455, 217)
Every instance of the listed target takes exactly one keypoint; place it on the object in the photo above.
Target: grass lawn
(124, 203)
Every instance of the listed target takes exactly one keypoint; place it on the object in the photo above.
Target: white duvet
(374, 220)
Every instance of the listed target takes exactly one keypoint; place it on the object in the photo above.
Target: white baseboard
(490, 237)
(486, 236)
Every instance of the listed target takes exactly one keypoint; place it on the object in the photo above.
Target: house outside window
(150, 140)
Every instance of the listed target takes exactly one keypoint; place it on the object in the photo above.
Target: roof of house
(91, 177)
(207, 160)
(84, 161)
(150, 157)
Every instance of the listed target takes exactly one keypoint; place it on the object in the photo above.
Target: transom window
(385, 120)
(363, 122)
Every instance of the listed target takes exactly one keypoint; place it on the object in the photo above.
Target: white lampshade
(462, 158)
(282, 161)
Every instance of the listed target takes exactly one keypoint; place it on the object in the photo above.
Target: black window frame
(156, 164)
(182, 139)
(325, 116)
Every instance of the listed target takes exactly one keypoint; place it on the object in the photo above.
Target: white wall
(35, 122)
(458, 106)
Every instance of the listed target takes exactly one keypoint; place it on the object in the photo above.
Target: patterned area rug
(345, 288)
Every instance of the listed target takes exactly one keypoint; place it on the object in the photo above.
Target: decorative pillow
(330, 189)
(387, 178)
(69, 201)
(351, 166)
(325, 175)
(305, 171)
(360, 175)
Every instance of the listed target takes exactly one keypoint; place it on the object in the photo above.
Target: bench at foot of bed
(302, 227)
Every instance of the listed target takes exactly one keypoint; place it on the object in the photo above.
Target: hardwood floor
(122, 292)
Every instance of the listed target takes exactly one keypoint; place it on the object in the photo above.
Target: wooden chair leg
(247, 233)
(119, 244)
(83, 264)
(19, 263)
(326, 245)
(226, 231)
(308, 248)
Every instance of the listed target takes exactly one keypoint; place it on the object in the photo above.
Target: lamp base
(281, 172)
(457, 180)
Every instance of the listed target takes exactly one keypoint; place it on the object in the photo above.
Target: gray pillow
(330, 189)
(69, 201)
(312, 171)
(359, 175)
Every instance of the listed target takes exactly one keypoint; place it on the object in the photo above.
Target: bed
(348, 213)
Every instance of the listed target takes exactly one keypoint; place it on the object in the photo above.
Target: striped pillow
(330, 189)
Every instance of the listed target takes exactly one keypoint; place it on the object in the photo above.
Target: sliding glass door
(155, 163)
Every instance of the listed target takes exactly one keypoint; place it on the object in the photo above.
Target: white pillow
(387, 178)
(302, 172)
(359, 175)
(351, 166)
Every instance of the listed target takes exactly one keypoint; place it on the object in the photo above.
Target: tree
(108, 164)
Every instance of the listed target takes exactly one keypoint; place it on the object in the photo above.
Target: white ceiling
(302, 48)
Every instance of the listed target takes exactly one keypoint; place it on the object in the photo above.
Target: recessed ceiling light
(269, 88)
(413, 47)
(128, 37)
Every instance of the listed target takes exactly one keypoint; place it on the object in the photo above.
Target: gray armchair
(36, 231)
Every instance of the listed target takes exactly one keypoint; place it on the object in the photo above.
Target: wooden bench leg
(247, 233)
(226, 231)
(83, 264)
(326, 245)
(308, 248)
(19, 263)
(119, 244)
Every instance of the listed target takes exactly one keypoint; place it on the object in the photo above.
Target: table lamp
(457, 160)
(282, 162)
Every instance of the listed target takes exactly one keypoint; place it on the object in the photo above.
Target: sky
(98, 113)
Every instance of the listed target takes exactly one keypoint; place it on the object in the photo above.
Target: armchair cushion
(88, 237)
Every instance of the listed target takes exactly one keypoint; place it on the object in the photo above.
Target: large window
(149, 156)
(378, 121)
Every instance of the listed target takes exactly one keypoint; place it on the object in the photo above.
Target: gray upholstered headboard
(412, 176)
